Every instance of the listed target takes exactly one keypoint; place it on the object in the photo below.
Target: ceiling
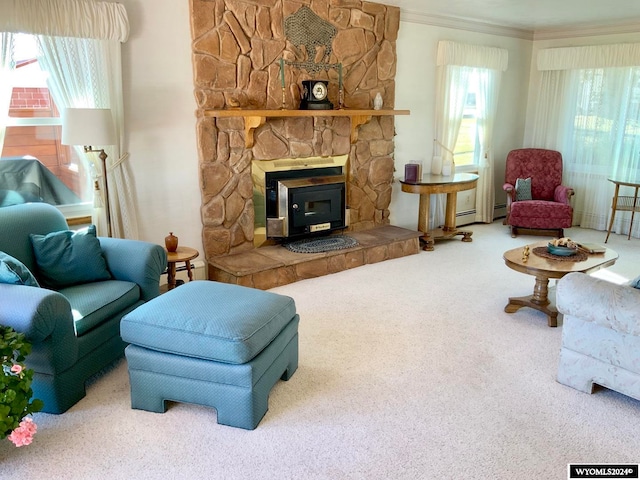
(530, 15)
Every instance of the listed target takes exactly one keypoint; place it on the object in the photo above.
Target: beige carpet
(409, 369)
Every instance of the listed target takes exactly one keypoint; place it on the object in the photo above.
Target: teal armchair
(74, 330)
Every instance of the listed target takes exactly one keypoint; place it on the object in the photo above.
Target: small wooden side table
(624, 203)
(182, 254)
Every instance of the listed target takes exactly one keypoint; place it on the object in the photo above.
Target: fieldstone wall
(237, 46)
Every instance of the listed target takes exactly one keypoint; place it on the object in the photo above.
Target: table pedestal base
(430, 237)
(538, 301)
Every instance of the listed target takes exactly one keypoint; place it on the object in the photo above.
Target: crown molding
(592, 30)
(587, 31)
(462, 24)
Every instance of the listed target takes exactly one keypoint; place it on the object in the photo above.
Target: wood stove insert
(298, 198)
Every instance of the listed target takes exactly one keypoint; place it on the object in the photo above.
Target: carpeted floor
(409, 369)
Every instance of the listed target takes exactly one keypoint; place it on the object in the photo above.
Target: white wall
(415, 90)
(160, 118)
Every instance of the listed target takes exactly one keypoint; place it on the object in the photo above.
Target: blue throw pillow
(523, 189)
(15, 272)
(68, 258)
(635, 283)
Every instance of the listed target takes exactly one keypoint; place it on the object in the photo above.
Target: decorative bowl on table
(561, 250)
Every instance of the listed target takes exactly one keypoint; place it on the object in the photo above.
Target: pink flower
(17, 369)
(23, 435)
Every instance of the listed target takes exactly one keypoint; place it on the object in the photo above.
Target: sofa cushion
(68, 258)
(209, 320)
(94, 303)
(13, 271)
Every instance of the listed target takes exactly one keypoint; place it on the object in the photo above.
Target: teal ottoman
(213, 344)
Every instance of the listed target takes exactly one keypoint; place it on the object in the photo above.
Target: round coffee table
(545, 268)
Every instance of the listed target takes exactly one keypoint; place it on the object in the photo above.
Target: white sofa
(600, 334)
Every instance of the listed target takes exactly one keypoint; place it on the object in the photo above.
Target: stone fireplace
(237, 50)
(248, 71)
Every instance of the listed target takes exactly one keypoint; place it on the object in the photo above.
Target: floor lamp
(86, 127)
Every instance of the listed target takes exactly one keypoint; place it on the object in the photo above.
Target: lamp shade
(87, 126)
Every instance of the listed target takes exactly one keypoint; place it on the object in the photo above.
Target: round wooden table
(543, 269)
(451, 185)
(182, 254)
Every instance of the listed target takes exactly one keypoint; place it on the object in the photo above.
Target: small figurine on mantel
(377, 102)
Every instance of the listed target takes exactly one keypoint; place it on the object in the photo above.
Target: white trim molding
(461, 24)
(522, 33)
(586, 31)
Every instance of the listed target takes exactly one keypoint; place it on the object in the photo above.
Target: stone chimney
(237, 46)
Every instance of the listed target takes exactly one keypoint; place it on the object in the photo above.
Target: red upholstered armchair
(536, 200)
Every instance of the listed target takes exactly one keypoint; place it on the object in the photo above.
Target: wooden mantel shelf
(255, 118)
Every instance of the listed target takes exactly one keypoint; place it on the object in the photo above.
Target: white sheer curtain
(74, 66)
(80, 42)
(487, 103)
(86, 73)
(588, 108)
(455, 64)
(452, 83)
(6, 66)
(123, 214)
(551, 93)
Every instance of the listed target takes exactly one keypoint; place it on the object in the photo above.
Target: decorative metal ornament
(306, 28)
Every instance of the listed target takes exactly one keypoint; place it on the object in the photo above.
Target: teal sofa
(74, 330)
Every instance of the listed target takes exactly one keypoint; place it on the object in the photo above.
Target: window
(467, 90)
(41, 168)
(588, 108)
(606, 122)
(82, 55)
(468, 143)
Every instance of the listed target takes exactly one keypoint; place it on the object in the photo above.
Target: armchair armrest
(45, 318)
(511, 192)
(511, 197)
(562, 194)
(135, 261)
(595, 300)
(509, 188)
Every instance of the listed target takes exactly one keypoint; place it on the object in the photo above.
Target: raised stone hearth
(272, 266)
